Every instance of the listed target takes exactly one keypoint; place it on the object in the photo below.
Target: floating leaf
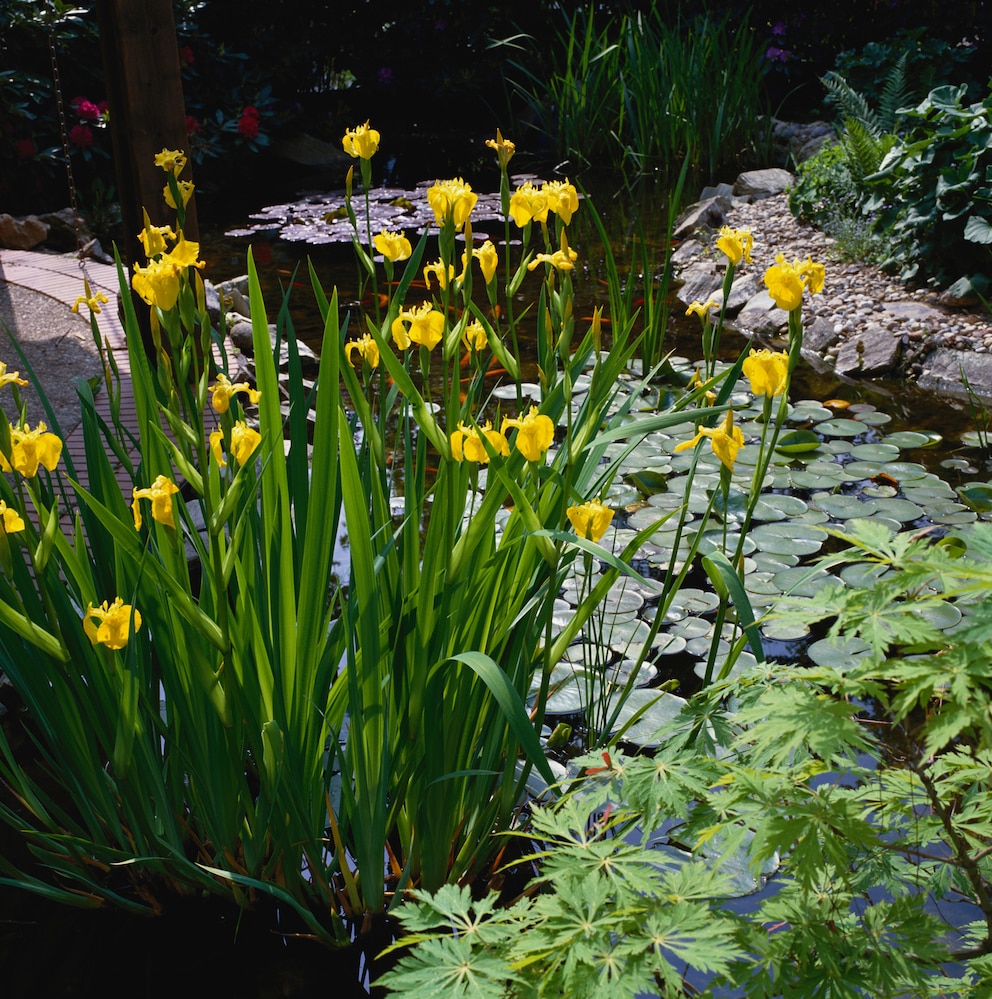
(841, 428)
(798, 442)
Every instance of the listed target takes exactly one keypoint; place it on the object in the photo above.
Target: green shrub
(933, 192)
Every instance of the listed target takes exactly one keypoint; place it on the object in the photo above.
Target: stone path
(60, 278)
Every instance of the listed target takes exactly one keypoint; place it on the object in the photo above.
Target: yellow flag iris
(367, 349)
(392, 245)
(767, 371)
(467, 443)
(110, 625)
(726, 440)
(160, 492)
(223, 390)
(423, 325)
(535, 433)
(31, 448)
(735, 244)
(590, 520)
(451, 201)
(361, 141)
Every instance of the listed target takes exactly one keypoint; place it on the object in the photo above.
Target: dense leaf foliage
(859, 799)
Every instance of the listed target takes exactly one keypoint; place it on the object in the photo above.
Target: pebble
(855, 295)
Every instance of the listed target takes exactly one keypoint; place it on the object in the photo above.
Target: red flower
(81, 136)
(251, 112)
(192, 125)
(185, 56)
(248, 127)
(25, 148)
(85, 110)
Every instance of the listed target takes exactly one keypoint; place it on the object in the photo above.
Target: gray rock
(759, 184)
(22, 234)
(872, 352)
(762, 317)
(744, 288)
(818, 337)
(700, 281)
(709, 214)
(718, 191)
(687, 250)
(942, 369)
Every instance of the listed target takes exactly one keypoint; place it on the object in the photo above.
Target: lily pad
(838, 652)
(658, 707)
(908, 439)
(841, 428)
(798, 442)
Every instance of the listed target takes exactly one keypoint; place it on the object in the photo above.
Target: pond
(867, 463)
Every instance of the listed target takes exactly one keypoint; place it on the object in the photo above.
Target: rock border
(864, 325)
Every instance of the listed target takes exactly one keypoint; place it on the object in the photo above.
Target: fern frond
(896, 93)
(850, 104)
(863, 148)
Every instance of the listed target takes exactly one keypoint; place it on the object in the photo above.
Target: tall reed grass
(632, 91)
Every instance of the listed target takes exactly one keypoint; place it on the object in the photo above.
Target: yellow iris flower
(504, 149)
(426, 327)
(785, 282)
(223, 390)
(361, 141)
(701, 309)
(767, 371)
(563, 199)
(10, 378)
(110, 625)
(535, 433)
(467, 443)
(185, 193)
(171, 161)
(31, 448)
(529, 204)
(392, 245)
(158, 283)
(726, 440)
(12, 520)
(244, 440)
(367, 349)
(590, 520)
(451, 200)
(155, 239)
(474, 336)
(563, 259)
(488, 260)
(442, 273)
(160, 492)
(91, 301)
(736, 244)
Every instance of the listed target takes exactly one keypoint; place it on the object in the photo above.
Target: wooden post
(147, 113)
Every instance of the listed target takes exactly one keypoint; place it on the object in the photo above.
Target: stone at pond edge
(873, 352)
(708, 214)
(744, 288)
(701, 281)
(763, 317)
(818, 338)
(759, 184)
(942, 370)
